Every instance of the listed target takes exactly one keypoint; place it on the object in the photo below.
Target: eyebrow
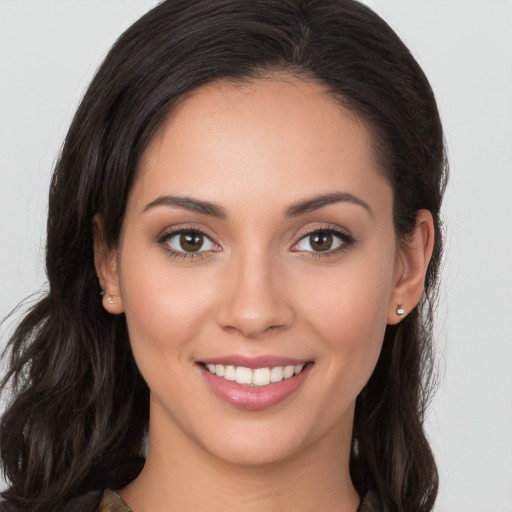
(315, 203)
(188, 203)
(295, 210)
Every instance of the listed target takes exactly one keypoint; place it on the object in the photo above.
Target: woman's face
(258, 244)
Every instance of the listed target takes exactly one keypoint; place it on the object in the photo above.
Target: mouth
(254, 377)
(255, 383)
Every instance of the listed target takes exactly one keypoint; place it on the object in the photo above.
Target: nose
(254, 299)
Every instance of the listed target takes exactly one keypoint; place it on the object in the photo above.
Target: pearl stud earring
(109, 298)
(400, 311)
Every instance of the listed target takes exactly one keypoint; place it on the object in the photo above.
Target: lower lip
(254, 397)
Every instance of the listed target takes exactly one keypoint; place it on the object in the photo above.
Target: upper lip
(265, 361)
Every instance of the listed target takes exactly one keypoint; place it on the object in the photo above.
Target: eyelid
(173, 231)
(346, 239)
(342, 234)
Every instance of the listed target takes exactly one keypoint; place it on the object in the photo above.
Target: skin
(258, 288)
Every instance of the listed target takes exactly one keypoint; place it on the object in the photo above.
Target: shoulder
(112, 502)
(88, 502)
(97, 501)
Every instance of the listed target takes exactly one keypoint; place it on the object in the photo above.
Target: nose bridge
(254, 299)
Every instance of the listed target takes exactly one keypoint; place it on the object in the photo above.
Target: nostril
(251, 322)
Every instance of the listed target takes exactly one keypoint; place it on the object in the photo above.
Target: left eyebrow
(317, 202)
(188, 203)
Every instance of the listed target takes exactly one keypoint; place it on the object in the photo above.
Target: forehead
(268, 138)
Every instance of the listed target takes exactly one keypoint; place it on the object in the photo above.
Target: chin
(274, 439)
(253, 451)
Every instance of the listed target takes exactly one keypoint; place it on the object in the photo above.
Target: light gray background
(49, 50)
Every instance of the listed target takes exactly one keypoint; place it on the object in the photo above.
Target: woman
(243, 245)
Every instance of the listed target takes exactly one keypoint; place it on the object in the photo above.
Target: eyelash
(164, 239)
(345, 239)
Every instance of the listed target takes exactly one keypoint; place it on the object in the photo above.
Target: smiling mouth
(255, 383)
(255, 377)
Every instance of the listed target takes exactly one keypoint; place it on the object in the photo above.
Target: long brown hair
(79, 407)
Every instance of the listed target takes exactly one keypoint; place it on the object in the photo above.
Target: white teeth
(261, 376)
(243, 375)
(257, 377)
(229, 372)
(276, 374)
(288, 371)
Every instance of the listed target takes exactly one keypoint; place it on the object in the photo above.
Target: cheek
(353, 331)
(165, 310)
(348, 313)
(351, 302)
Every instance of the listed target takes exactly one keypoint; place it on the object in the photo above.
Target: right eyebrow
(320, 201)
(188, 203)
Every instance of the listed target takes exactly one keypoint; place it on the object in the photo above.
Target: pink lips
(247, 397)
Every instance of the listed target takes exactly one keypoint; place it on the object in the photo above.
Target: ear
(411, 266)
(105, 261)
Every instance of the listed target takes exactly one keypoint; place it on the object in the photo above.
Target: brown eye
(320, 241)
(323, 240)
(191, 241)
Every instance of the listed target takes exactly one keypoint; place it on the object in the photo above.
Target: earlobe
(105, 262)
(412, 263)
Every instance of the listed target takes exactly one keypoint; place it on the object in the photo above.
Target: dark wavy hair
(78, 408)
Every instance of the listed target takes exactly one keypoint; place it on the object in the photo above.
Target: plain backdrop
(49, 50)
